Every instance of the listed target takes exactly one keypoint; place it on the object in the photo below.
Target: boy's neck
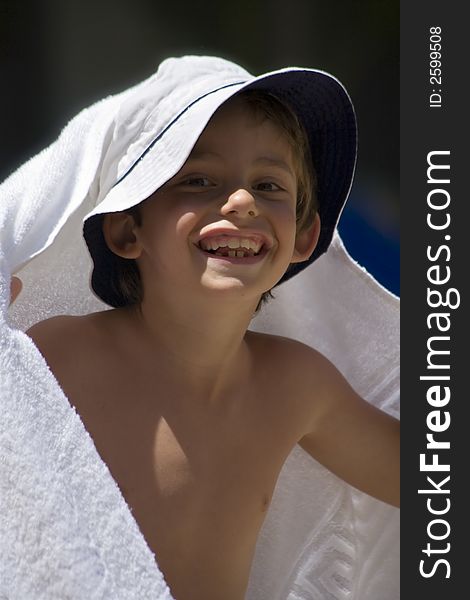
(200, 343)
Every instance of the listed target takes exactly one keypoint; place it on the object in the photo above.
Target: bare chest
(199, 483)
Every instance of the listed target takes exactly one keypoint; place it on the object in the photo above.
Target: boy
(193, 414)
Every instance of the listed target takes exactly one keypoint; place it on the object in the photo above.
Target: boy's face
(227, 220)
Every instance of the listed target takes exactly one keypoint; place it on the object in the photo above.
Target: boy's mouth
(232, 246)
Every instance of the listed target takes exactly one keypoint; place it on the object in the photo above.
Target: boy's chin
(232, 288)
(248, 281)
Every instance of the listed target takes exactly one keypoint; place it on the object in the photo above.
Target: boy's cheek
(185, 222)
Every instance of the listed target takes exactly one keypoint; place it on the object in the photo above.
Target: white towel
(65, 529)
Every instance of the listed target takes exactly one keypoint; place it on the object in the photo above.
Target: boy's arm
(352, 438)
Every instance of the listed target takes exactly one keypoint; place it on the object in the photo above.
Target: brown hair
(265, 106)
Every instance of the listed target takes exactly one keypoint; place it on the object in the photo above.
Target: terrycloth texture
(65, 529)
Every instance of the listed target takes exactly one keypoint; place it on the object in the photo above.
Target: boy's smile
(235, 245)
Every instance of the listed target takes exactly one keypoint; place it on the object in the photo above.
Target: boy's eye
(267, 186)
(198, 181)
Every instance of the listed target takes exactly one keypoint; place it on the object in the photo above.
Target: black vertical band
(434, 345)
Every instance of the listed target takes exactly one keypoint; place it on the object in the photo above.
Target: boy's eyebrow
(268, 160)
(275, 162)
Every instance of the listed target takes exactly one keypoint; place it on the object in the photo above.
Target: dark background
(58, 56)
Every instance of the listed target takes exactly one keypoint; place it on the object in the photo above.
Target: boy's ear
(306, 241)
(119, 234)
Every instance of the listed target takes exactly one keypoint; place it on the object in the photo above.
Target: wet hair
(264, 106)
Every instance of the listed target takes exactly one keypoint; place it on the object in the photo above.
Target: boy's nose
(240, 202)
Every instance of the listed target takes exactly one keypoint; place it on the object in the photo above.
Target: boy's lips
(244, 246)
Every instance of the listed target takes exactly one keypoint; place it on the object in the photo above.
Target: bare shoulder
(59, 337)
(59, 327)
(53, 326)
(307, 378)
(48, 332)
(294, 358)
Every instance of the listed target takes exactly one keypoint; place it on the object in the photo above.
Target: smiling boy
(194, 414)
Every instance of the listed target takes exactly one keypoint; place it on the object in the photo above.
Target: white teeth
(240, 254)
(253, 245)
(232, 253)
